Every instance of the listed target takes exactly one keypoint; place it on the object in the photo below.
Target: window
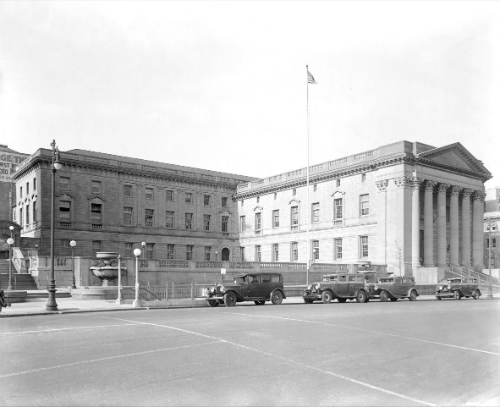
(34, 184)
(337, 209)
(27, 214)
(96, 187)
(242, 253)
(64, 183)
(242, 202)
(189, 252)
(276, 253)
(276, 218)
(294, 192)
(225, 224)
(363, 241)
(65, 248)
(188, 220)
(258, 223)
(364, 205)
(337, 249)
(294, 251)
(149, 193)
(96, 214)
(170, 251)
(35, 218)
(149, 217)
(96, 247)
(258, 256)
(315, 212)
(208, 251)
(206, 199)
(315, 187)
(169, 195)
(363, 177)
(128, 250)
(169, 219)
(188, 197)
(27, 188)
(494, 242)
(65, 211)
(243, 224)
(20, 192)
(206, 222)
(338, 183)
(149, 250)
(315, 250)
(224, 201)
(127, 190)
(294, 217)
(21, 219)
(275, 195)
(127, 216)
(258, 199)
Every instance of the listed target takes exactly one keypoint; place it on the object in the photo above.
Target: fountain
(106, 268)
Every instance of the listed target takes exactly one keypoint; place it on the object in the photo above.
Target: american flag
(310, 78)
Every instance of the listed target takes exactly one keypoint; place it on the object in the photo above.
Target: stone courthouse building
(410, 207)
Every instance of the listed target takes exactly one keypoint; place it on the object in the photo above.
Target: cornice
(463, 171)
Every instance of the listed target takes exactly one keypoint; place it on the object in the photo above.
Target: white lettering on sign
(8, 163)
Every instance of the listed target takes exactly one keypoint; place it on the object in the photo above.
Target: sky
(221, 85)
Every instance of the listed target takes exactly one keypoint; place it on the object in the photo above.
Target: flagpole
(308, 215)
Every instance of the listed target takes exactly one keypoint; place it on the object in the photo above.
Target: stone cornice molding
(96, 199)
(337, 193)
(225, 211)
(403, 182)
(382, 185)
(292, 201)
(429, 185)
(258, 208)
(65, 195)
(443, 188)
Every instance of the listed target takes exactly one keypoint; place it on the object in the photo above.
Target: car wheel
(308, 301)
(277, 298)
(230, 299)
(384, 296)
(342, 300)
(394, 299)
(457, 295)
(413, 295)
(326, 297)
(361, 296)
(213, 304)
(476, 295)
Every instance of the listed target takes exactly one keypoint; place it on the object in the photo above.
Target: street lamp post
(137, 301)
(216, 253)
(73, 244)
(10, 242)
(119, 300)
(56, 165)
(143, 244)
(490, 288)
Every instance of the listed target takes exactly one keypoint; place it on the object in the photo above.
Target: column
(382, 220)
(477, 230)
(428, 223)
(441, 225)
(454, 226)
(466, 228)
(415, 222)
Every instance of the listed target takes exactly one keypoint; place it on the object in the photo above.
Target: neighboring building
(491, 228)
(110, 203)
(410, 206)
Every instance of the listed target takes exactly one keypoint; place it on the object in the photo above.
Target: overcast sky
(222, 85)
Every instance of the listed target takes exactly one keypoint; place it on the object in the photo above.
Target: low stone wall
(15, 296)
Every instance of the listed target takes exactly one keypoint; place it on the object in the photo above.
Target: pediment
(456, 156)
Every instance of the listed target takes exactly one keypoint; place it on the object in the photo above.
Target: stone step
(35, 294)
(20, 281)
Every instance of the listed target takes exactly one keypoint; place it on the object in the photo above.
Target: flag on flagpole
(310, 78)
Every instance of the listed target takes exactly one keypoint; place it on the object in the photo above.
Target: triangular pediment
(456, 156)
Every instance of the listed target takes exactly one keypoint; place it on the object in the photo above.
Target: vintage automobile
(256, 287)
(391, 288)
(341, 286)
(458, 287)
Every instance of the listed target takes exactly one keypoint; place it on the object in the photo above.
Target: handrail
(465, 272)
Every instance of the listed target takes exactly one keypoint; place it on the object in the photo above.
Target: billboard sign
(9, 160)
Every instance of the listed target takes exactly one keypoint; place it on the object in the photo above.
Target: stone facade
(492, 230)
(405, 205)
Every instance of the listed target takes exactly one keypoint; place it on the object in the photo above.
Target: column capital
(479, 196)
(442, 188)
(429, 185)
(403, 182)
(416, 182)
(382, 185)
(455, 190)
(467, 192)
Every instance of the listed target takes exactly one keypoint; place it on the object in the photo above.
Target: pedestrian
(3, 302)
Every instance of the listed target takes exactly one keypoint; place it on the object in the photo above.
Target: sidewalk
(36, 306)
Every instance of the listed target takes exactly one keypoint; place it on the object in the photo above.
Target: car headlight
(440, 287)
(309, 287)
(375, 287)
(222, 288)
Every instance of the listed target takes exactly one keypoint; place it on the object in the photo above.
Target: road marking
(369, 330)
(62, 329)
(83, 362)
(287, 360)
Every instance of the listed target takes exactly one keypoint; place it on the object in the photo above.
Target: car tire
(361, 296)
(457, 295)
(213, 303)
(308, 301)
(326, 297)
(277, 298)
(394, 299)
(342, 300)
(230, 299)
(384, 296)
(476, 295)
(413, 295)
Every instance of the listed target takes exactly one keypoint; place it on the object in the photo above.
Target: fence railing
(482, 277)
(168, 291)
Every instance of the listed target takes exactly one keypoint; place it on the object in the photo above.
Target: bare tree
(399, 256)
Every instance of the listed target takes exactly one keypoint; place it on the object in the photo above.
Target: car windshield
(455, 280)
(386, 280)
(240, 280)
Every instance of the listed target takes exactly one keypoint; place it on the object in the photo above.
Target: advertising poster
(8, 162)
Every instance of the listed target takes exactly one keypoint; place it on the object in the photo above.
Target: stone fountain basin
(106, 255)
(105, 272)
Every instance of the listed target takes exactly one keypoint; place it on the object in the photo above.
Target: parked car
(341, 286)
(256, 287)
(457, 288)
(392, 288)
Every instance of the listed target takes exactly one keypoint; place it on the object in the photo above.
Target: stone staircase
(483, 278)
(20, 281)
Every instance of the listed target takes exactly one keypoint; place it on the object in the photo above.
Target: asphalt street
(402, 353)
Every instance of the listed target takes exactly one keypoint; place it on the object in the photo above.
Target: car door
(342, 286)
(352, 285)
(265, 286)
(253, 285)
